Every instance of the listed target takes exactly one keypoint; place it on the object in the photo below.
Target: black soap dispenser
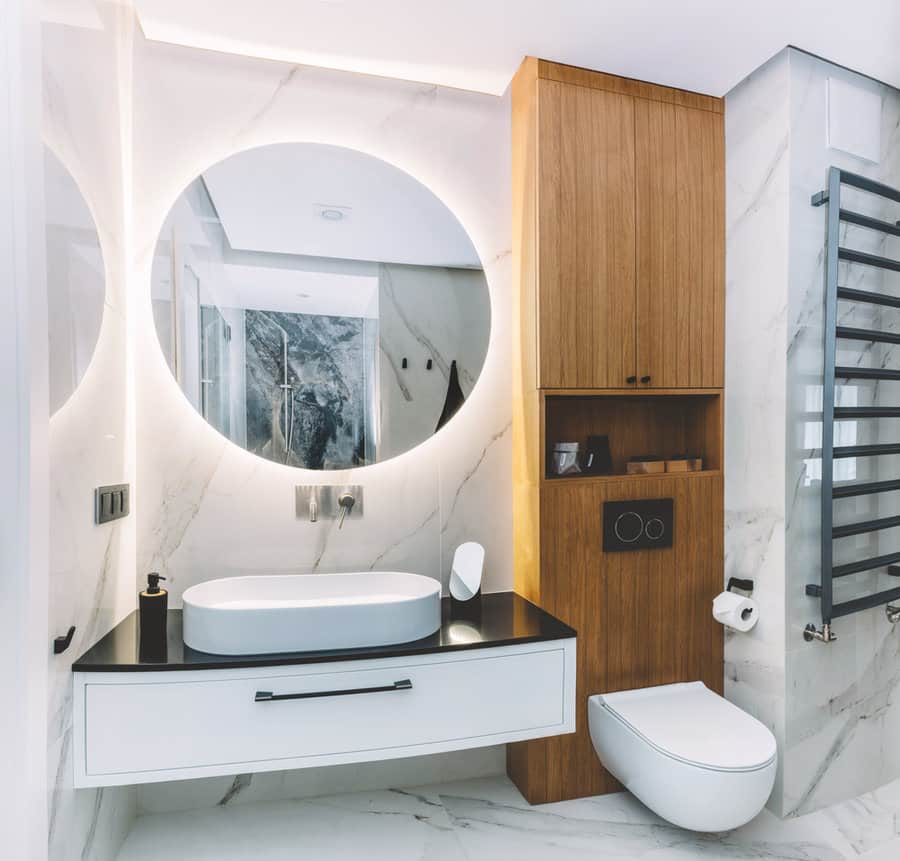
(153, 606)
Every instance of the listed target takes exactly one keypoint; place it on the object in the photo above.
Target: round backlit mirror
(318, 306)
(76, 281)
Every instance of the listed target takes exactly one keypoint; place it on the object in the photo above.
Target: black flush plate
(637, 524)
(111, 503)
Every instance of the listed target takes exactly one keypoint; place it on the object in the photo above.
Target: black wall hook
(428, 364)
(404, 364)
(60, 644)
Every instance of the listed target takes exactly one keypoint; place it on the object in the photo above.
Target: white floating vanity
(506, 675)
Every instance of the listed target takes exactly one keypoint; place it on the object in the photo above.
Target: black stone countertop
(506, 619)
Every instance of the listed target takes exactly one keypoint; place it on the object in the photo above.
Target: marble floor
(487, 820)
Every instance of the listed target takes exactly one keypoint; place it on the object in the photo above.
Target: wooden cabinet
(629, 240)
(586, 225)
(618, 256)
(680, 197)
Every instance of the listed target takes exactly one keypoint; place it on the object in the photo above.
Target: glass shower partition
(215, 337)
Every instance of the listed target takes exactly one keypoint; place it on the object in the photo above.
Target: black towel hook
(60, 644)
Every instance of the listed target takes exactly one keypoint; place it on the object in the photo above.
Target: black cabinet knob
(631, 379)
(645, 379)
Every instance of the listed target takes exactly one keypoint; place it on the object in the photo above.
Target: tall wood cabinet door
(680, 199)
(586, 230)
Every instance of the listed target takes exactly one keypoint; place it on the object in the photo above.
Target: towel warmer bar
(834, 255)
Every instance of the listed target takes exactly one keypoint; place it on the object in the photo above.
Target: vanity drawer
(169, 726)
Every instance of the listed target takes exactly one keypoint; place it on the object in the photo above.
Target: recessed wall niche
(666, 426)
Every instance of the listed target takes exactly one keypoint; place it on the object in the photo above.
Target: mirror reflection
(318, 306)
(76, 281)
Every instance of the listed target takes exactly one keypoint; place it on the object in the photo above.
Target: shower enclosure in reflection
(215, 337)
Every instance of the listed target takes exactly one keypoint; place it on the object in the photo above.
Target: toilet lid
(691, 723)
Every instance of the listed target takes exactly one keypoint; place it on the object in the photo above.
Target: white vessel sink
(309, 612)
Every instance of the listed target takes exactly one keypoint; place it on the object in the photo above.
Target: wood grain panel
(617, 218)
(680, 204)
(527, 421)
(586, 237)
(628, 86)
(643, 618)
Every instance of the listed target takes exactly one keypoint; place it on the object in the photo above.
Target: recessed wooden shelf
(606, 479)
(665, 425)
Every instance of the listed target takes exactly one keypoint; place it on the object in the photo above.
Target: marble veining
(841, 709)
(757, 175)
(832, 709)
(330, 374)
(209, 509)
(91, 438)
(488, 820)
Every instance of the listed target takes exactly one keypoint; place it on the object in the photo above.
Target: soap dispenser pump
(153, 605)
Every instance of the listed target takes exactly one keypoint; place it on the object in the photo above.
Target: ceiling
(272, 199)
(703, 45)
(294, 291)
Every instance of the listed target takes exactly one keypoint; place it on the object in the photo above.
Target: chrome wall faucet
(314, 502)
(346, 501)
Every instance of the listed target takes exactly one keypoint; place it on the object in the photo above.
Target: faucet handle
(346, 501)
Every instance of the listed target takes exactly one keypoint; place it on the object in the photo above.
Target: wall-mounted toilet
(688, 754)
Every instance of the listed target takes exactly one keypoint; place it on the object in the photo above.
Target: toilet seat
(690, 723)
(691, 756)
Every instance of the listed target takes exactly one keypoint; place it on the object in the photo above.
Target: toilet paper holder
(739, 583)
(735, 608)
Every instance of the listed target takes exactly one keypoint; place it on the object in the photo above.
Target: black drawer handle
(269, 697)
(631, 380)
(645, 379)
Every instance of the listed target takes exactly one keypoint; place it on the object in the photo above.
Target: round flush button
(629, 526)
(655, 529)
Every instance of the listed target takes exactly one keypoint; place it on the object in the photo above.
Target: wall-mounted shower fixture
(287, 395)
(316, 502)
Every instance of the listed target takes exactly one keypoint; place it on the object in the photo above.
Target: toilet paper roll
(735, 611)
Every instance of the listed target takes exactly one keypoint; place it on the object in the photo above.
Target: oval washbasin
(309, 612)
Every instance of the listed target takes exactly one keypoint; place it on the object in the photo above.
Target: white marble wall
(830, 707)
(841, 716)
(206, 507)
(209, 509)
(757, 176)
(426, 312)
(91, 436)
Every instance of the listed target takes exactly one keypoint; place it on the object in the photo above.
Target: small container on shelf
(684, 463)
(565, 459)
(645, 464)
(598, 460)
